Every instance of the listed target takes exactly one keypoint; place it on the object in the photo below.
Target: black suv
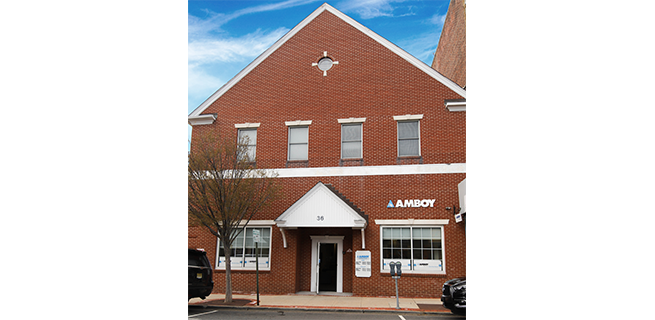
(453, 295)
(200, 275)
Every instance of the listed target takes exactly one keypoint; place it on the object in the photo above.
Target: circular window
(325, 64)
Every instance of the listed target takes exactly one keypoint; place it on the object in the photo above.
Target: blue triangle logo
(390, 205)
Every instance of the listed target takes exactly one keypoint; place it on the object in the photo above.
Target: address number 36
(320, 218)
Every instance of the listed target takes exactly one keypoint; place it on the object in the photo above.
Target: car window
(196, 260)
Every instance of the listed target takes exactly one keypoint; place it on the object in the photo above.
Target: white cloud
(272, 7)
(201, 85)
(203, 27)
(208, 50)
(438, 19)
(199, 27)
(368, 9)
(422, 46)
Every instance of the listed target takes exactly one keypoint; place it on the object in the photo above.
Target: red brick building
(370, 147)
(450, 57)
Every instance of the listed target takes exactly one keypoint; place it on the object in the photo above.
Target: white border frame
(361, 138)
(408, 118)
(297, 124)
(417, 224)
(256, 224)
(327, 239)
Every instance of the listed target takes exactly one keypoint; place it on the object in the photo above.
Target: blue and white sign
(428, 265)
(363, 264)
(412, 203)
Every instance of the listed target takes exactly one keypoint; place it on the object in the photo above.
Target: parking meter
(395, 274)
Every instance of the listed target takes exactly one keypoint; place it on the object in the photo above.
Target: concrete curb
(331, 309)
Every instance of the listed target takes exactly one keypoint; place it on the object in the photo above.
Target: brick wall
(290, 267)
(450, 57)
(372, 82)
(369, 81)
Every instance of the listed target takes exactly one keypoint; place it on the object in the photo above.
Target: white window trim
(411, 222)
(361, 139)
(408, 118)
(352, 120)
(418, 224)
(246, 125)
(248, 128)
(297, 124)
(251, 224)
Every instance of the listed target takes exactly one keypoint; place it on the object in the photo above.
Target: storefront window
(243, 250)
(418, 249)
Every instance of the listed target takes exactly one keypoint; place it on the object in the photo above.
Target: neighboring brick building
(450, 57)
(369, 148)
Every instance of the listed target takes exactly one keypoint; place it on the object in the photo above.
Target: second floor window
(351, 141)
(408, 139)
(248, 137)
(298, 142)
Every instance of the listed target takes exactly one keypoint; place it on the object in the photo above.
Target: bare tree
(226, 190)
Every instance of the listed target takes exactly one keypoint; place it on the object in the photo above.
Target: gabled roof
(326, 7)
(322, 206)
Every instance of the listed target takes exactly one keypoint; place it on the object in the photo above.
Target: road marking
(201, 314)
(401, 317)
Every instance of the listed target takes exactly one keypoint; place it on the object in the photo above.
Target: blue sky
(225, 36)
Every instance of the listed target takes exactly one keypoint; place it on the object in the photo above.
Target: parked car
(453, 295)
(201, 283)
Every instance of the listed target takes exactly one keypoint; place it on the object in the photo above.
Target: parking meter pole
(397, 303)
(257, 270)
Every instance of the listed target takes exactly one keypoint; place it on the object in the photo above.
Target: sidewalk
(333, 302)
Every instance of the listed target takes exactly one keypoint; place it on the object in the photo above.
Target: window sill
(386, 273)
(243, 270)
(351, 162)
(297, 163)
(409, 160)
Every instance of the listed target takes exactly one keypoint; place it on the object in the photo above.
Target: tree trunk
(228, 273)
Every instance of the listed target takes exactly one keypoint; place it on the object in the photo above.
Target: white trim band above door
(369, 170)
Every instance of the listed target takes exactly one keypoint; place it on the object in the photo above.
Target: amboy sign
(413, 203)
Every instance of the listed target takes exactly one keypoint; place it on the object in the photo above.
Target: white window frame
(251, 225)
(348, 121)
(361, 138)
(408, 118)
(296, 124)
(250, 144)
(411, 223)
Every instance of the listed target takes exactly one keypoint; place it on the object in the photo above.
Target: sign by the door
(363, 264)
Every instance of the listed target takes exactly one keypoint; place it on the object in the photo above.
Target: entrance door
(327, 266)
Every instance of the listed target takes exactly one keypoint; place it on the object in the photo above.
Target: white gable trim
(202, 119)
(330, 211)
(326, 7)
(455, 106)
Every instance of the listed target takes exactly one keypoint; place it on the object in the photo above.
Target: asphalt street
(201, 313)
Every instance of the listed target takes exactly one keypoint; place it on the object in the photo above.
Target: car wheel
(458, 311)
